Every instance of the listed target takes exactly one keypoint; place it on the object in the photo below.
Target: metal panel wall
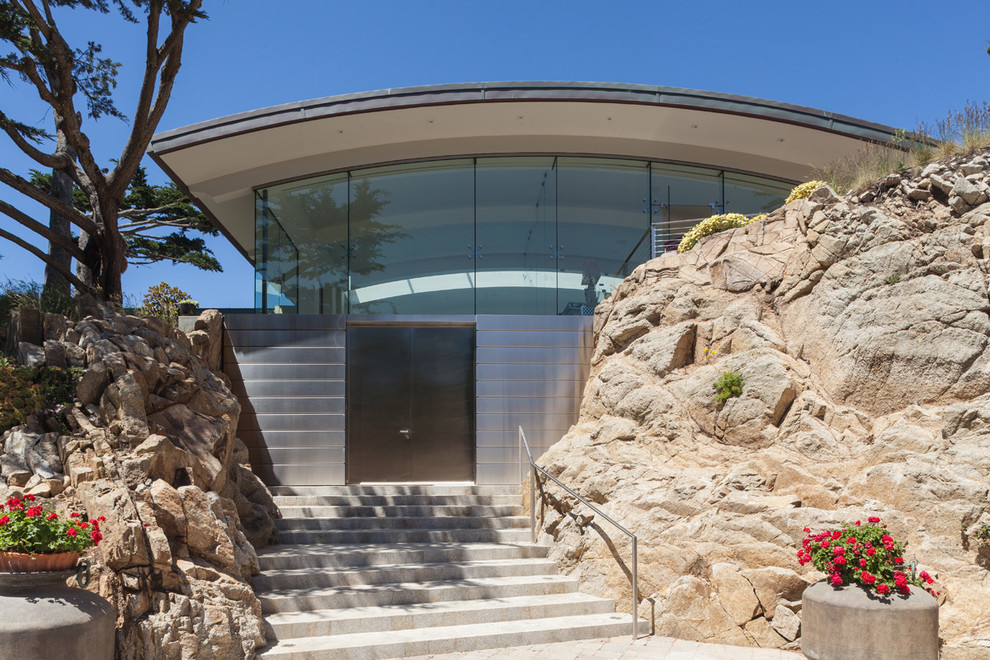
(531, 372)
(289, 373)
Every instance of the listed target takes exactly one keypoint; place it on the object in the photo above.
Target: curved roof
(220, 162)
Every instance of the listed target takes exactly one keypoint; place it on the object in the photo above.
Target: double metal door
(410, 403)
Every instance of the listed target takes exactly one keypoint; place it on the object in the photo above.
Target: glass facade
(496, 235)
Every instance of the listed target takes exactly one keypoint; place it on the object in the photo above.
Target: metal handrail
(532, 520)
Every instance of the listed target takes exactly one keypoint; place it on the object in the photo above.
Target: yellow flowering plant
(715, 224)
(804, 190)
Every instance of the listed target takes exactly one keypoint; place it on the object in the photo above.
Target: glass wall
(497, 235)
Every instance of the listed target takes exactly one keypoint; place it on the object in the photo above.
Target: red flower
(840, 560)
(871, 551)
(71, 532)
(96, 536)
(862, 563)
(837, 580)
(52, 516)
(851, 539)
(898, 560)
(873, 519)
(74, 514)
(33, 511)
(4, 520)
(102, 519)
(838, 550)
(29, 497)
(806, 530)
(857, 523)
(14, 503)
(83, 525)
(825, 543)
(836, 534)
(869, 578)
(883, 589)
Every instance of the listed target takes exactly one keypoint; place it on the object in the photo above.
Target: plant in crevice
(162, 300)
(728, 385)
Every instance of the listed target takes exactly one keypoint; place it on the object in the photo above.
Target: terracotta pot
(22, 562)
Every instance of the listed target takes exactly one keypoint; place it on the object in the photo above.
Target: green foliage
(980, 533)
(24, 391)
(20, 395)
(147, 209)
(31, 528)
(162, 300)
(893, 279)
(728, 385)
(713, 225)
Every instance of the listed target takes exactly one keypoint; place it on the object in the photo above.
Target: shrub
(713, 225)
(862, 554)
(24, 391)
(728, 385)
(162, 300)
(20, 395)
(804, 190)
(15, 294)
(981, 534)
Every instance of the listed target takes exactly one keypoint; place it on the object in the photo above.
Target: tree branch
(38, 228)
(73, 280)
(148, 115)
(67, 211)
(55, 161)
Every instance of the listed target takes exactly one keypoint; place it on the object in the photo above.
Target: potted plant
(33, 538)
(866, 607)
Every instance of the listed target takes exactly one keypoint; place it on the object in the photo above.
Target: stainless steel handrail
(523, 443)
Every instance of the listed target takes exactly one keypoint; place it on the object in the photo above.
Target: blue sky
(892, 63)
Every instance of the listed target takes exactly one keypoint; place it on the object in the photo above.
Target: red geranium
(35, 530)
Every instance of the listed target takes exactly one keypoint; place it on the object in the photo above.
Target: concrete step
(319, 623)
(307, 577)
(412, 522)
(376, 595)
(397, 500)
(521, 535)
(390, 490)
(406, 511)
(446, 639)
(287, 557)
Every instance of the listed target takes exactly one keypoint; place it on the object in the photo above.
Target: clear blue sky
(888, 62)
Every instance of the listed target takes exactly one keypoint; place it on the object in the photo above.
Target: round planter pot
(41, 618)
(846, 623)
(21, 562)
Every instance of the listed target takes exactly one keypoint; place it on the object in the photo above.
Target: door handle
(406, 432)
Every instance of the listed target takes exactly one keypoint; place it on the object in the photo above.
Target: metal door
(410, 403)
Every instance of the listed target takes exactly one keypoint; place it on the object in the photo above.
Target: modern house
(428, 259)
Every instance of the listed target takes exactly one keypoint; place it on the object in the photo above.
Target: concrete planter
(846, 623)
(41, 618)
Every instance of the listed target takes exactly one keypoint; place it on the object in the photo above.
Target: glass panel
(277, 259)
(313, 214)
(751, 194)
(412, 239)
(602, 228)
(681, 197)
(516, 228)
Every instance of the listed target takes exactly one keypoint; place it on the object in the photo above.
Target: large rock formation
(152, 447)
(859, 325)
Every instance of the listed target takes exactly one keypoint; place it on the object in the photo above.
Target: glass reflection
(414, 239)
(516, 227)
(494, 235)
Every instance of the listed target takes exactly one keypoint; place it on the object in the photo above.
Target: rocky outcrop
(152, 447)
(859, 325)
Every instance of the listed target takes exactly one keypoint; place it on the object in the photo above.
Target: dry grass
(959, 133)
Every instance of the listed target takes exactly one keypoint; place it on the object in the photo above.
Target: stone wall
(152, 447)
(860, 326)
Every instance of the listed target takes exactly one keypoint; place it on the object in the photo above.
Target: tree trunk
(107, 252)
(55, 283)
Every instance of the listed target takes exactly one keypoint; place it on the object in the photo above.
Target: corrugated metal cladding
(289, 372)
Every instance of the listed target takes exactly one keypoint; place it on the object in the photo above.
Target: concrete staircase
(367, 572)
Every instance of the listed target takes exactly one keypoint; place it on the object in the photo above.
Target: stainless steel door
(410, 403)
